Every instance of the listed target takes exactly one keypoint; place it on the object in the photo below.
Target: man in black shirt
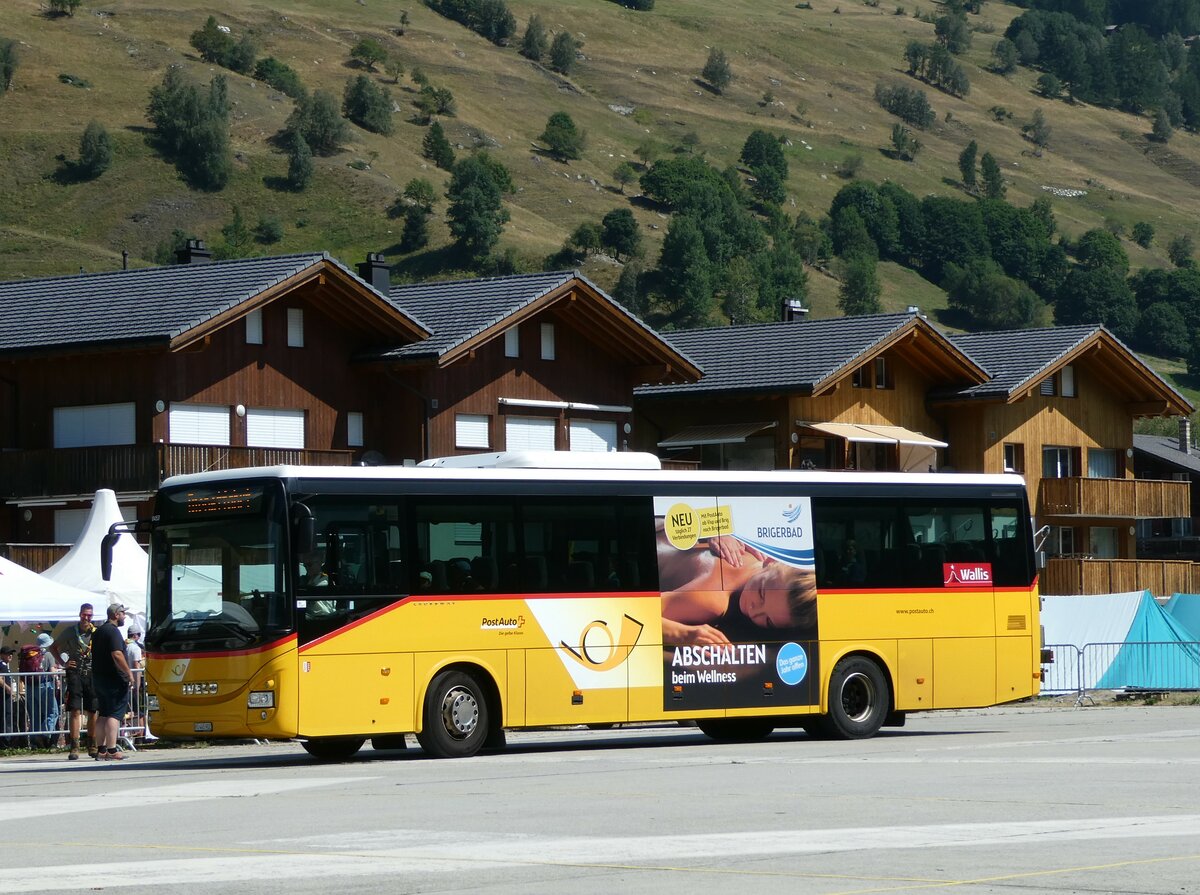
(112, 681)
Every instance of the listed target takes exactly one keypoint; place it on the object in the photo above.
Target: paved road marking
(404, 853)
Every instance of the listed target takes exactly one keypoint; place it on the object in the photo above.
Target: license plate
(202, 727)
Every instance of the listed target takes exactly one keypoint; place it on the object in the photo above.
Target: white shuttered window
(254, 328)
(547, 341)
(593, 435)
(354, 429)
(198, 424)
(94, 424)
(274, 428)
(471, 430)
(528, 433)
(295, 320)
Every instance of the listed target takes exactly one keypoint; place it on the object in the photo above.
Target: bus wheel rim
(858, 696)
(460, 713)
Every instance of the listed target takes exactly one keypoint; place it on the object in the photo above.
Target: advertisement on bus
(739, 602)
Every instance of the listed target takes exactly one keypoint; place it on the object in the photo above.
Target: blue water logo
(792, 512)
(791, 663)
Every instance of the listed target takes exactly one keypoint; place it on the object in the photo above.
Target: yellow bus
(338, 605)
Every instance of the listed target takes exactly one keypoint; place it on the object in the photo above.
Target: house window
(512, 341)
(1102, 542)
(272, 428)
(593, 435)
(1103, 463)
(529, 433)
(1061, 384)
(94, 424)
(861, 378)
(1014, 457)
(1047, 388)
(547, 341)
(354, 429)
(1060, 541)
(198, 424)
(1059, 462)
(471, 430)
(254, 328)
(295, 325)
(883, 373)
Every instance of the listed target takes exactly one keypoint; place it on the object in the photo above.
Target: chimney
(1185, 434)
(376, 272)
(792, 309)
(193, 252)
(914, 309)
(124, 259)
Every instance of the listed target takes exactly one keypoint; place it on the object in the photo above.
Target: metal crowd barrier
(35, 715)
(1129, 666)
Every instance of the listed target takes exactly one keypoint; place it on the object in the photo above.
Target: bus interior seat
(965, 551)
(483, 570)
(533, 572)
(437, 572)
(581, 575)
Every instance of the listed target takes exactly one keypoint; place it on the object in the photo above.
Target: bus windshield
(218, 575)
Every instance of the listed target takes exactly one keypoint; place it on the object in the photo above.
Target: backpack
(30, 659)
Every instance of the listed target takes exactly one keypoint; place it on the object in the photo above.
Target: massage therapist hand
(731, 550)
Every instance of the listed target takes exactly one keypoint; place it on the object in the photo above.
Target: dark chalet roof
(1020, 359)
(1166, 450)
(465, 313)
(147, 305)
(797, 356)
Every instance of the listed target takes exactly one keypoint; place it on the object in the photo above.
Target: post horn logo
(605, 656)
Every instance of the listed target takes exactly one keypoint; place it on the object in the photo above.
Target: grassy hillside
(637, 80)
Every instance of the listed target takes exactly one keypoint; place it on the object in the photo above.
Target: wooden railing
(36, 557)
(1114, 498)
(135, 467)
(1078, 575)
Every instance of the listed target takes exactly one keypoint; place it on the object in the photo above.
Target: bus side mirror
(106, 552)
(304, 530)
(1040, 559)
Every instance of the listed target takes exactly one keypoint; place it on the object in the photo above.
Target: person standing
(8, 697)
(112, 680)
(134, 657)
(76, 644)
(41, 691)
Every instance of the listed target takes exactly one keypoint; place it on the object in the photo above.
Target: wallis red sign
(967, 574)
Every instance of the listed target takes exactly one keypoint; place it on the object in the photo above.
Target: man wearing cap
(112, 679)
(76, 644)
(43, 704)
(8, 695)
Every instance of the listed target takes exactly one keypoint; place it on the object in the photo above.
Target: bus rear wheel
(859, 699)
(735, 730)
(456, 716)
(333, 748)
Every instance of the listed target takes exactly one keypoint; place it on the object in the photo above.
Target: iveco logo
(201, 688)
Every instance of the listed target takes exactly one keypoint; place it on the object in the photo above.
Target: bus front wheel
(456, 716)
(333, 748)
(859, 699)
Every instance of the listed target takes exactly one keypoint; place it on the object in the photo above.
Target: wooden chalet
(120, 379)
(890, 392)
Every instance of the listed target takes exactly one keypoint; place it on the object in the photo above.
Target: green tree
(268, 230)
(316, 118)
(1180, 250)
(300, 163)
(236, 237)
(624, 174)
(1097, 295)
(953, 33)
(419, 191)
(213, 44)
(395, 68)
(687, 273)
(368, 52)
(670, 180)
(1098, 248)
(242, 55)
(860, 289)
(993, 179)
(192, 128)
(1143, 234)
(280, 76)
(966, 165)
(904, 143)
(851, 238)
(586, 238)
(762, 149)
(620, 234)
(1005, 54)
(1049, 86)
(646, 152)
(717, 72)
(535, 43)
(628, 290)
(476, 214)
(436, 147)
(562, 138)
(1162, 331)
(8, 63)
(416, 229)
(954, 233)
(563, 52)
(64, 7)
(1038, 130)
(368, 105)
(95, 150)
(432, 101)
(768, 186)
(1161, 129)
(875, 210)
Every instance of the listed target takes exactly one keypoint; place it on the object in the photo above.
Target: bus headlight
(152, 703)
(261, 699)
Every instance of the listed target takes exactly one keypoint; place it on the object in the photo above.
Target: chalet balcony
(60, 472)
(1114, 498)
(1082, 575)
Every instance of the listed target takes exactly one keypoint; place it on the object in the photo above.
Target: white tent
(81, 566)
(26, 596)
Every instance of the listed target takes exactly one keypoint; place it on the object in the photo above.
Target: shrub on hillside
(192, 127)
(317, 120)
(367, 105)
(279, 75)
